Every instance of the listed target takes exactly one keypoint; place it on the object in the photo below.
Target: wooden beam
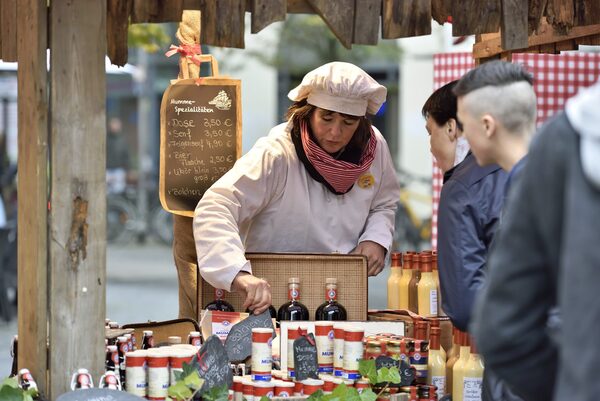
(475, 16)
(223, 23)
(546, 35)
(514, 24)
(339, 17)
(265, 12)
(143, 10)
(8, 19)
(32, 24)
(441, 10)
(402, 19)
(565, 45)
(536, 11)
(117, 25)
(587, 12)
(293, 6)
(367, 19)
(77, 246)
(561, 14)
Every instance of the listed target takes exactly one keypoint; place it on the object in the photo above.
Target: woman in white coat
(322, 182)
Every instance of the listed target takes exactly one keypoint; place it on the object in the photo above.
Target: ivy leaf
(32, 392)
(367, 369)
(11, 382)
(340, 391)
(316, 396)
(8, 393)
(265, 398)
(27, 397)
(179, 391)
(219, 393)
(368, 395)
(193, 380)
(189, 368)
(388, 375)
(394, 375)
(352, 395)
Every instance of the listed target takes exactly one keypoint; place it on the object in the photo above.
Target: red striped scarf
(341, 175)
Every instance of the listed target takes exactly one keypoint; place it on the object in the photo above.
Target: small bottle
(172, 340)
(331, 309)
(436, 276)
(195, 339)
(413, 296)
(436, 323)
(219, 304)
(427, 293)
(25, 380)
(419, 356)
(405, 276)
(112, 358)
(393, 283)
(436, 364)
(293, 309)
(453, 355)
(110, 381)
(123, 348)
(14, 351)
(473, 376)
(458, 372)
(148, 339)
(81, 380)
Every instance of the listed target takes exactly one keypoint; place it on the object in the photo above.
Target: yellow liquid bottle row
(405, 280)
(436, 364)
(393, 283)
(427, 292)
(458, 371)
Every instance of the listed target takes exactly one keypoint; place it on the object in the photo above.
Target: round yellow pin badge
(366, 180)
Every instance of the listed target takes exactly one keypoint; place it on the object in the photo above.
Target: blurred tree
(149, 37)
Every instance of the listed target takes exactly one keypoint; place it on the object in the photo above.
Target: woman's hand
(375, 254)
(256, 290)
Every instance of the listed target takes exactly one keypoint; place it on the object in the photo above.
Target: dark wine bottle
(219, 304)
(331, 309)
(293, 309)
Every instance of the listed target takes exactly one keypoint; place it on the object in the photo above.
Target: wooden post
(77, 236)
(8, 30)
(33, 187)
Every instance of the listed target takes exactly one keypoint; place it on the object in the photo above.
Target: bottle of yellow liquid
(473, 376)
(436, 323)
(458, 371)
(436, 364)
(436, 276)
(405, 280)
(427, 293)
(393, 283)
(452, 358)
(413, 296)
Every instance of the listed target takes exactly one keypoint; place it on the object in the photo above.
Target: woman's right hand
(256, 290)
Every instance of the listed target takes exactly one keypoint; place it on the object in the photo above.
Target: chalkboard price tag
(200, 139)
(98, 394)
(407, 374)
(239, 340)
(306, 364)
(386, 362)
(214, 364)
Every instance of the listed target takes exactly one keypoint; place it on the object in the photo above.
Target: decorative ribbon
(191, 52)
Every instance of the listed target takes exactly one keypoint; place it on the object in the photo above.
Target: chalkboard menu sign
(200, 139)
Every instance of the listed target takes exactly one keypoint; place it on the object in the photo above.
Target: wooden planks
(561, 14)
(158, 10)
(117, 25)
(77, 229)
(265, 12)
(402, 18)
(222, 23)
(32, 209)
(8, 29)
(536, 11)
(514, 24)
(366, 22)
(441, 10)
(339, 17)
(587, 12)
(475, 16)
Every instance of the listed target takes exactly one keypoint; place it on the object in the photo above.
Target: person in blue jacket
(469, 208)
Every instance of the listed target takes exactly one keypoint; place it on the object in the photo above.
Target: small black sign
(306, 364)
(214, 364)
(407, 374)
(98, 394)
(386, 362)
(239, 340)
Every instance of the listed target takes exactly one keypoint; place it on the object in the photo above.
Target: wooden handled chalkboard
(200, 139)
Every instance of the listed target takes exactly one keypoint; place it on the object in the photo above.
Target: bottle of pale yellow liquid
(436, 323)
(473, 376)
(458, 372)
(405, 280)
(413, 296)
(436, 276)
(393, 283)
(427, 292)
(436, 364)
(452, 358)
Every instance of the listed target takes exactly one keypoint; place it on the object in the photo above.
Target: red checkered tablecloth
(556, 78)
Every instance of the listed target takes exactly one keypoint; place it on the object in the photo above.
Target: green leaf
(11, 382)
(189, 368)
(265, 398)
(367, 369)
(394, 375)
(382, 375)
(388, 375)
(193, 380)
(9, 393)
(352, 395)
(179, 391)
(27, 397)
(368, 395)
(340, 391)
(316, 396)
(32, 392)
(220, 393)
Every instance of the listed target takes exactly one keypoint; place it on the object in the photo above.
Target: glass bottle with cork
(458, 371)
(453, 355)
(473, 375)
(404, 281)
(331, 309)
(436, 276)
(436, 363)
(420, 354)
(427, 295)
(436, 323)
(293, 309)
(413, 296)
(219, 303)
(393, 283)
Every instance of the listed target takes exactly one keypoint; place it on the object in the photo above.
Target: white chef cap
(341, 87)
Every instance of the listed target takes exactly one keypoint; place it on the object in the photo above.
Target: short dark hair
(492, 73)
(441, 105)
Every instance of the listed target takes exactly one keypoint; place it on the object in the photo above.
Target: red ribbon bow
(190, 52)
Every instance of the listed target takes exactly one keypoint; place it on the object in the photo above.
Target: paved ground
(141, 286)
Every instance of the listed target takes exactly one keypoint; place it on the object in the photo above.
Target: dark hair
(441, 105)
(302, 111)
(492, 73)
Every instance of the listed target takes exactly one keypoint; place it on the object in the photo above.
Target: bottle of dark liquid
(331, 309)
(293, 309)
(148, 339)
(219, 304)
(14, 351)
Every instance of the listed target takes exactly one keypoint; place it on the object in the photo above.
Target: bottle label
(433, 302)
(325, 352)
(293, 294)
(219, 294)
(472, 388)
(331, 294)
(440, 383)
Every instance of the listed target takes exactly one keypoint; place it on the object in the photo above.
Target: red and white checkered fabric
(556, 78)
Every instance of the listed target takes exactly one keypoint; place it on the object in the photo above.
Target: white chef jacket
(268, 202)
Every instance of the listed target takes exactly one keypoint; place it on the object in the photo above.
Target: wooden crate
(312, 269)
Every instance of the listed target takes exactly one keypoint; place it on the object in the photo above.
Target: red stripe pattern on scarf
(341, 175)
